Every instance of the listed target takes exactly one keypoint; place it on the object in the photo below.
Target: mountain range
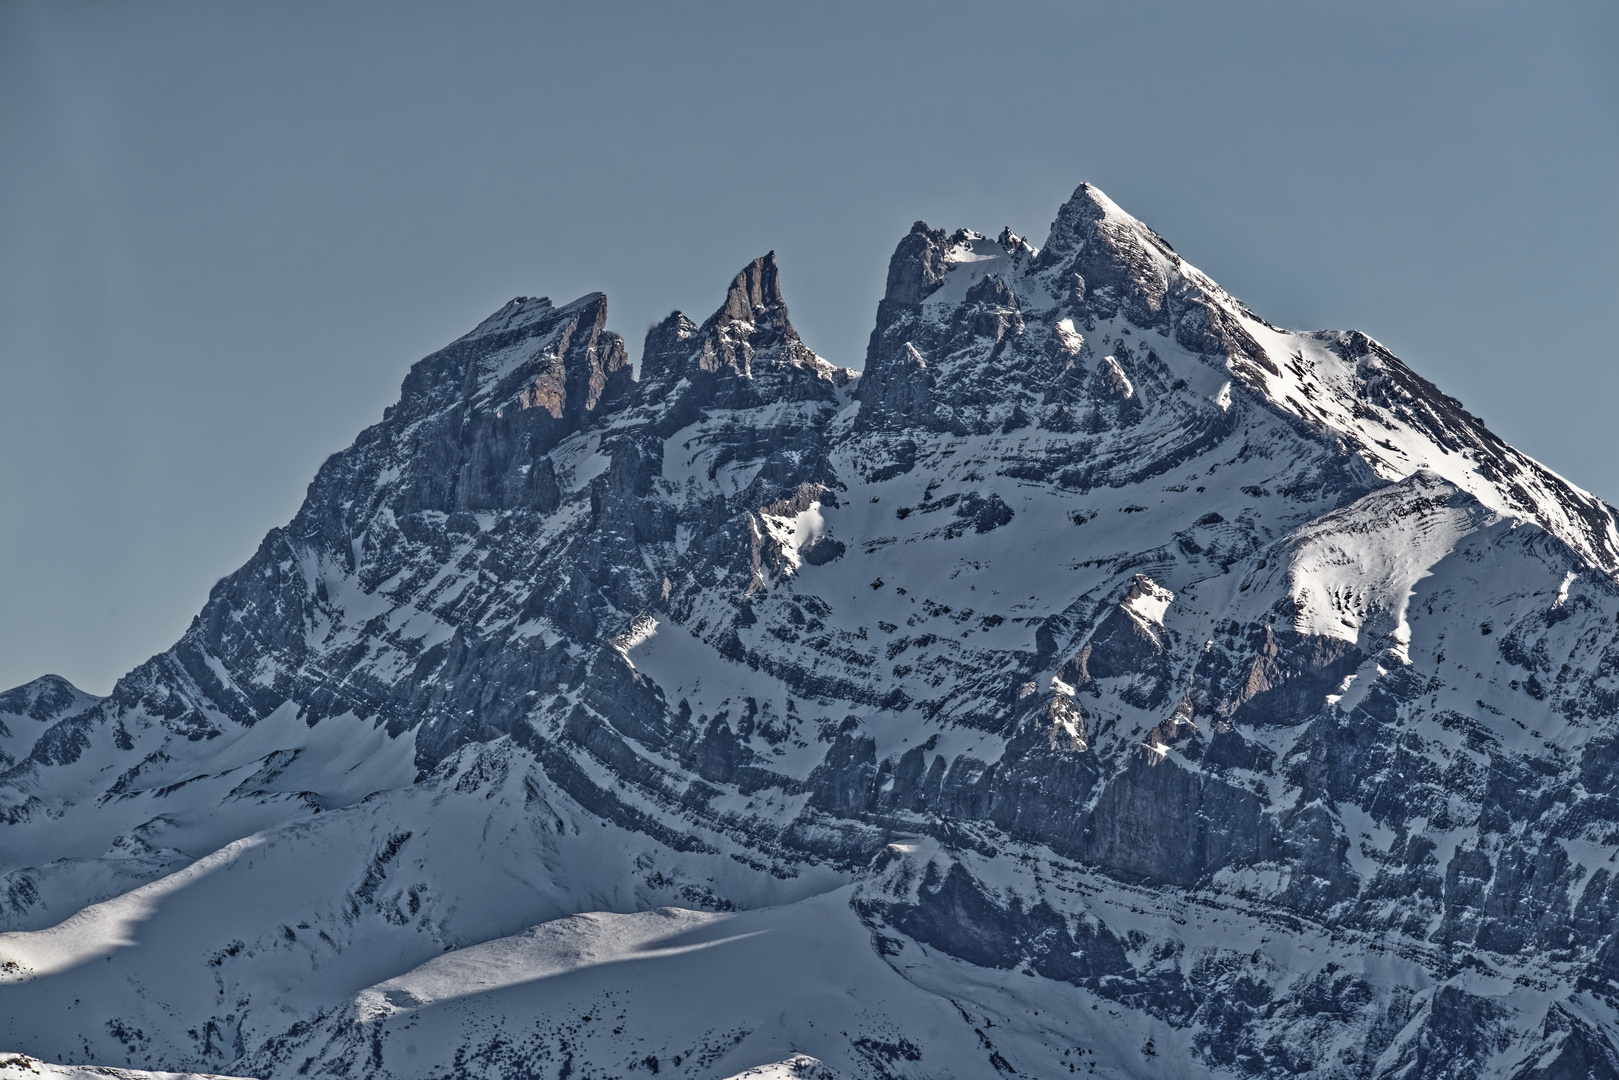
(1102, 681)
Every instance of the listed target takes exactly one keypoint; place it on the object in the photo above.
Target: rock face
(1103, 682)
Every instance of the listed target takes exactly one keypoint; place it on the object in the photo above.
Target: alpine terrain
(1103, 682)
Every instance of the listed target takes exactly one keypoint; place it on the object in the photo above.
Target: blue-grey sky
(227, 229)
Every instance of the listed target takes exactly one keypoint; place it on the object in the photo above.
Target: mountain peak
(754, 310)
(1090, 220)
(516, 313)
(1089, 194)
(749, 335)
(755, 289)
(1091, 203)
(528, 355)
(46, 698)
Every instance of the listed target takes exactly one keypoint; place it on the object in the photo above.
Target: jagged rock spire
(757, 287)
(750, 336)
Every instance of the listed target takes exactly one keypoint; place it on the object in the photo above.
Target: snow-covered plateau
(1103, 682)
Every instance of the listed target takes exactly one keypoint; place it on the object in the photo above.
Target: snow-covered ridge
(1351, 388)
(518, 313)
(23, 1067)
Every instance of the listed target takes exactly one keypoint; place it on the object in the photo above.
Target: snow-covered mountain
(1103, 682)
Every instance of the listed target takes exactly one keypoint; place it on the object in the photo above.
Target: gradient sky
(227, 230)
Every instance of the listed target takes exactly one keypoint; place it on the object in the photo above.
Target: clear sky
(227, 229)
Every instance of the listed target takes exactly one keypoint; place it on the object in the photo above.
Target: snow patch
(1069, 339)
(1147, 600)
(641, 629)
(797, 1067)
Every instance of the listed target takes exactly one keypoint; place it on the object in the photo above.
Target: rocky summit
(1101, 682)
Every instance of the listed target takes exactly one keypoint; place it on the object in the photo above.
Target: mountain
(1103, 682)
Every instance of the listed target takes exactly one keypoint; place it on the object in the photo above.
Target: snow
(578, 461)
(1148, 602)
(797, 1067)
(1351, 573)
(484, 852)
(516, 313)
(725, 993)
(973, 260)
(1069, 337)
(641, 629)
(103, 928)
(1562, 589)
(1395, 449)
(793, 533)
(23, 1067)
(545, 951)
(808, 525)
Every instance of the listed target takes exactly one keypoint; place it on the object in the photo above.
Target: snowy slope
(1102, 682)
(23, 1067)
